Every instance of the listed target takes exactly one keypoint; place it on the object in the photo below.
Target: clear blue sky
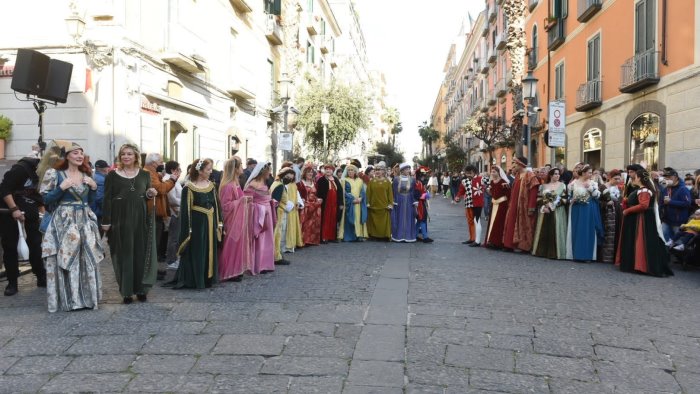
(409, 41)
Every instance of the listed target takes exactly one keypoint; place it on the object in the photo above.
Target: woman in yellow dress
(353, 224)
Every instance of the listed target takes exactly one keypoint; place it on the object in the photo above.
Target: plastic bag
(22, 248)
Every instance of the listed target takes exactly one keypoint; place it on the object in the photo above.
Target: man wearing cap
(101, 170)
(674, 202)
(472, 192)
(21, 201)
(403, 223)
(522, 206)
(288, 227)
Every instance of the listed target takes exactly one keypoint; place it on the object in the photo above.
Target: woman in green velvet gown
(201, 225)
(128, 219)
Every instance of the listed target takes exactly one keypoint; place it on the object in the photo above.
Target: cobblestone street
(372, 318)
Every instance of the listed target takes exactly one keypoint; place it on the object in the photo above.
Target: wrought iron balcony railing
(589, 95)
(640, 71)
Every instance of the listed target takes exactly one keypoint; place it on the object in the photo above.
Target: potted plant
(550, 22)
(5, 132)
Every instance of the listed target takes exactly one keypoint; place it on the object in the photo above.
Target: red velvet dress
(328, 191)
(500, 193)
(521, 217)
(310, 215)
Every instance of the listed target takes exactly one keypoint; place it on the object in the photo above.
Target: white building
(183, 77)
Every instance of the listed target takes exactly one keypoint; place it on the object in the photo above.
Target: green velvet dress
(200, 233)
(132, 242)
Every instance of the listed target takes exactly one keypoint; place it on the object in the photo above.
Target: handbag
(22, 248)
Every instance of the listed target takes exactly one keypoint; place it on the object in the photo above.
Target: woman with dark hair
(550, 232)
(611, 215)
(200, 229)
(331, 192)
(642, 246)
(130, 226)
(262, 221)
(585, 229)
(71, 247)
(499, 189)
(311, 213)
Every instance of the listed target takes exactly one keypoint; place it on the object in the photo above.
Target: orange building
(627, 73)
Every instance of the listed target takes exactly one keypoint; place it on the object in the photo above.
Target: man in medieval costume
(330, 191)
(472, 193)
(422, 208)
(521, 217)
(380, 202)
(288, 228)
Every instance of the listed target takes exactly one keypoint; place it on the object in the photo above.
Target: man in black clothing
(20, 196)
(243, 178)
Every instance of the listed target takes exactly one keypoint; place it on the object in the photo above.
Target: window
(273, 7)
(310, 55)
(232, 48)
(593, 59)
(559, 81)
(533, 53)
(310, 6)
(644, 140)
(645, 25)
(560, 8)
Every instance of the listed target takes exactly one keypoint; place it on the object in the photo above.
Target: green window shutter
(277, 7)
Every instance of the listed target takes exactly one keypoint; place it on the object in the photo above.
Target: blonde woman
(237, 209)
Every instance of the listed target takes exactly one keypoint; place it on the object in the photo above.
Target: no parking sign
(557, 123)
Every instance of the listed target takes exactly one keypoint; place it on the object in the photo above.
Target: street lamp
(325, 118)
(284, 93)
(529, 94)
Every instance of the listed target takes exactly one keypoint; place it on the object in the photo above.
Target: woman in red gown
(311, 214)
(328, 189)
(499, 190)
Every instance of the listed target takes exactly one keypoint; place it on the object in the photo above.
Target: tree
(429, 135)
(349, 109)
(490, 129)
(391, 155)
(455, 155)
(391, 117)
(514, 11)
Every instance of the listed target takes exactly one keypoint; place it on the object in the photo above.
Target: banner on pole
(557, 124)
(284, 141)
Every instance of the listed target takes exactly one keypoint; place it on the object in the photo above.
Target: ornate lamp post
(284, 93)
(325, 118)
(529, 94)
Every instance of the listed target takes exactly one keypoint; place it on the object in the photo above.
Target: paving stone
(690, 382)
(181, 344)
(319, 347)
(305, 366)
(458, 337)
(425, 352)
(261, 384)
(452, 322)
(191, 311)
(151, 364)
(511, 342)
(168, 383)
(378, 373)
(22, 383)
(348, 331)
(636, 377)
(333, 314)
(122, 327)
(31, 346)
(101, 363)
(6, 363)
(563, 386)
(172, 328)
(437, 375)
(264, 345)
(479, 357)
(108, 344)
(508, 382)
(249, 326)
(381, 314)
(144, 312)
(92, 382)
(312, 329)
(423, 389)
(622, 341)
(39, 365)
(563, 367)
(631, 356)
(388, 283)
(371, 390)
(562, 347)
(382, 343)
(316, 384)
(229, 365)
(276, 316)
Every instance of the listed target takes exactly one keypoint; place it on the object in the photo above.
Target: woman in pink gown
(236, 254)
(262, 221)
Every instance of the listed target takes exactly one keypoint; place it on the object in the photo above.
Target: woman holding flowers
(550, 233)
(585, 229)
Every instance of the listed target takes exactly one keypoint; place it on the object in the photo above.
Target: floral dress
(71, 248)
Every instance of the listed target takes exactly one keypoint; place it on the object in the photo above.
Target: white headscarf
(503, 174)
(256, 171)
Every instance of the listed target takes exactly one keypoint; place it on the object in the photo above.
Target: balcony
(491, 98)
(483, 104)
(493, 13)
(182, 62)
(531, 4)
(589, 95)
(501, 88)
(484, 67)
(182, 48)
(312, 25)
(273, 32)
(556, 35)
(640, 71)
(485, 32)
(242, 84)
(588, 8)
(241, 6)
(492, 56)
(332, 60)
(501, 40)
(324, 43)
(509, 78)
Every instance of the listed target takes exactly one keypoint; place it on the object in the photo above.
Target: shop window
(644, 140)
(592, 147)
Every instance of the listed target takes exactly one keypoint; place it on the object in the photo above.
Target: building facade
(627, 73)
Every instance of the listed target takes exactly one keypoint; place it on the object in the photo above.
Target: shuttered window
(593, 59)
(273, 7)
(645, 25)
(559, 81)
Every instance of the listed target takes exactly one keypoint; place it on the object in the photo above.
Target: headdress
(199, 164)
(256, 171)
(380, 166)
(502, 174)
(349, 167)
(404, 165)
(520, 162)
(329, 165)
(284, 171)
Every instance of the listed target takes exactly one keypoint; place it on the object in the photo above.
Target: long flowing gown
(330, 192)
(131, 235)
(236, 253)
(71, 247)
(200, 216)
(288, 228)
(310, 216)
(520, 218)
(585, 229)
(500, 193)
(380, 197)
(262, 225)
(353, 223)
(550, 233)
(612, 218)
(403, 223)
(641, 239)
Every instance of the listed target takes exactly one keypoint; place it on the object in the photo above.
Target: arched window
(533, 52)
(644, 140)
(504, 160)
(592, 147)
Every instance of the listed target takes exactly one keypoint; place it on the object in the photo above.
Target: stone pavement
(373, 318)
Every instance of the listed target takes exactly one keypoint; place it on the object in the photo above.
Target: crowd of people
(208, 226)
(632, 218)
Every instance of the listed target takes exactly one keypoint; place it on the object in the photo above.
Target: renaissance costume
(288, 228)
(310, 216)
(353, 222)
(611, 214)
(330, 191)
(262, 224)
(380, 201)
(403, 221)
(520, 219)
(471, 191)
(236, 253)
(422, 212)
(585, 228)
(500, 192)
(550, 233)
